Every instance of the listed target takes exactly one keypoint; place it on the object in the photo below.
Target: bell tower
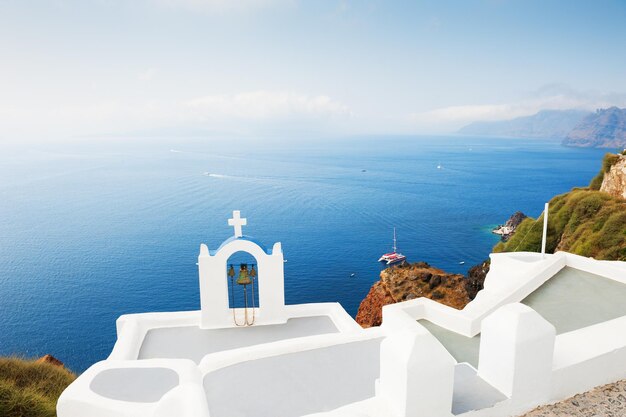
(215, 275)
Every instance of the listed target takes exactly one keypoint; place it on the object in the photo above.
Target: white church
(544, 328)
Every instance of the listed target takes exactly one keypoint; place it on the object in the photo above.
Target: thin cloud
(228, 112)
(264, 105)
(147, 75)
(221, 6)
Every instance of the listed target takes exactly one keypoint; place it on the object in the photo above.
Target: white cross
(237, 222)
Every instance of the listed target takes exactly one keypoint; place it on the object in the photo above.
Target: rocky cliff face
(614, 181)
(476, 278)
(507, 229)
(371, 309)
(515, 219)
(409, 281)
(606, 128)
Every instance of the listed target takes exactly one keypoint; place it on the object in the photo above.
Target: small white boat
(392, 257)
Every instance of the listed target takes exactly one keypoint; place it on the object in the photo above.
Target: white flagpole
(545, 231)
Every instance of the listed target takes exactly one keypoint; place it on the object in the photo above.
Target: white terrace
(544, 328)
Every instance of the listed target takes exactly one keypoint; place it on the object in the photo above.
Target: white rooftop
(544, 328)
(572, 299)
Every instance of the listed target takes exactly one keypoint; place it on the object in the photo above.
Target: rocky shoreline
(507, 229)
(409, 281)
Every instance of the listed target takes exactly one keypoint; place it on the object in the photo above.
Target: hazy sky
(74, 67)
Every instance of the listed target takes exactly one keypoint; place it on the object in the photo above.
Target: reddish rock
(371, 308)
(51, 360)
(406, 282)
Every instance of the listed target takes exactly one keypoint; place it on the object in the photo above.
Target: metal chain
(246, 322)
(232, 294)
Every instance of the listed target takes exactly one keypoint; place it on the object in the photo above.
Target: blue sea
(96, 228)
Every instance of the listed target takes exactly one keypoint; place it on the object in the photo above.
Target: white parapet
(416, 374)
(146, 388)
(187, 400)
(589, 357)
(516, 351)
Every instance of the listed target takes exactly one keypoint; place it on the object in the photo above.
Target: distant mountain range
(605, 128)
(545, 124)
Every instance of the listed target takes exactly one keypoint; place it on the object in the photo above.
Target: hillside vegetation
(584, 221)
(608, 161)
(31, 389)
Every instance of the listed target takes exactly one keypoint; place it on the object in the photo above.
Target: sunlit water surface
(103, 227)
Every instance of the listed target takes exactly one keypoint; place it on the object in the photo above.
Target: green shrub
(608, 161)
(527, 237)
(29, 389)
(583, 221)
(596, 182)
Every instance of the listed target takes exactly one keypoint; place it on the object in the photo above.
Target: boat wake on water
(208, 174)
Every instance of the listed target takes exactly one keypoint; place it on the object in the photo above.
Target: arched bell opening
(243, 287)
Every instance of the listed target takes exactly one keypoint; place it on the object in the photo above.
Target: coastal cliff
(606, 128)
(614, 180)
(587, 221)
(410, 281)
(507, 229)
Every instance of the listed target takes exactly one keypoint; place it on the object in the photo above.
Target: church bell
(244, 278)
